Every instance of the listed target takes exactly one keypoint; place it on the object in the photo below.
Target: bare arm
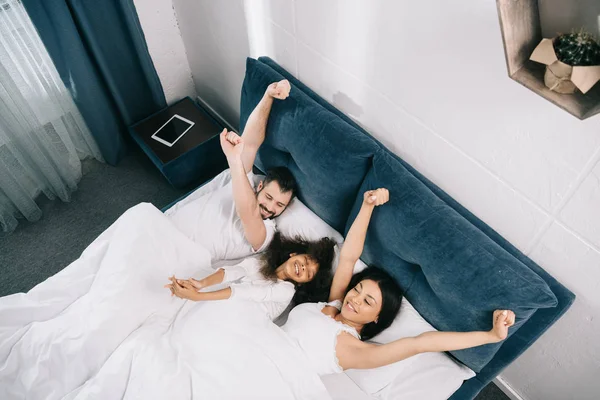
(254, 132)
(278, 295)
(353, 353)
(354, 243)
(240, 155)
(185, 290)
(256, 126)
(212, 279)
(246, 206)
(222, 294)
(351, 251)
(244, 197)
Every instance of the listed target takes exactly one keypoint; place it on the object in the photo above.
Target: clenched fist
(279, 90)
(376, 197)
(232, 144)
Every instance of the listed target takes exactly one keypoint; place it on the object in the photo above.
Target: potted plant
(572, 62)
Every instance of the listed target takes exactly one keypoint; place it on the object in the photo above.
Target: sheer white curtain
(42, 134)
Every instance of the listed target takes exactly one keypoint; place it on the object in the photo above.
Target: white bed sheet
(150, 330)
(105, 328)
(341, 387)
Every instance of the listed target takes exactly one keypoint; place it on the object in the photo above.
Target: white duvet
(105, 328)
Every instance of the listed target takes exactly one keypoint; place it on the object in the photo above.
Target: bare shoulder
(350, 350)
(347, 340)
(330, 311)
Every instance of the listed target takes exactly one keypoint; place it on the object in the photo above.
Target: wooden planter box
(521, 33)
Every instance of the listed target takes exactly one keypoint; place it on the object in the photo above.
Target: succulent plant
(577, 49)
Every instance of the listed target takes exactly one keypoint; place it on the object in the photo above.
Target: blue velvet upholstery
(319, 141)
(438, 246)
(451, 271)
(441, 259)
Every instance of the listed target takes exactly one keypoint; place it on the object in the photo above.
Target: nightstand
(195, 157)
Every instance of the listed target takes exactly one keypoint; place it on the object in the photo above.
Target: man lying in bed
(236, 220)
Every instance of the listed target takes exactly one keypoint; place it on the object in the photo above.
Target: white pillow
(217, 182)
(429, 376)
(358, 267)
(296, 220)
(299, 220)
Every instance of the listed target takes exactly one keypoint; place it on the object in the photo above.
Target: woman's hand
(503, 319)
(376, 197)
(182, 289)
(279, 90)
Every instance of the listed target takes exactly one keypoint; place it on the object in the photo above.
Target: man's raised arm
(244, 197)
(256, 126)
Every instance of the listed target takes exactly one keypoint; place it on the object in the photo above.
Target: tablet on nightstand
(172, 130)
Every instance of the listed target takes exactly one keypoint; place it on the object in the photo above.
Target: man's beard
(270, 214)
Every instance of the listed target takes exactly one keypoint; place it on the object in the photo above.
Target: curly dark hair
(320, 251)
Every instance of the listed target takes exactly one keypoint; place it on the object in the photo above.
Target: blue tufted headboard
(446, 259)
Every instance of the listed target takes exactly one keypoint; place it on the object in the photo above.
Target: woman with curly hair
(290, 270)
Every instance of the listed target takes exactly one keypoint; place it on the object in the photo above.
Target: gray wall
(214, 35)
(562, 16)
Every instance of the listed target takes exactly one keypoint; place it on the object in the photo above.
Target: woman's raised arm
(355, 241)
(352, 353)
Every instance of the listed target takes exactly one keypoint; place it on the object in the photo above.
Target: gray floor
(38, 250)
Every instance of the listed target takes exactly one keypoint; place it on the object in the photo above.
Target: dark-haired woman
(363, 305)
(290, 270)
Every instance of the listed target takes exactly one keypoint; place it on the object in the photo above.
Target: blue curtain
(100, 52)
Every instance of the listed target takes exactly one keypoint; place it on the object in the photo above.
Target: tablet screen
(173, 130)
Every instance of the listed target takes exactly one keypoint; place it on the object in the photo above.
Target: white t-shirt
(249, 284)
(212, 221)
(319, 342)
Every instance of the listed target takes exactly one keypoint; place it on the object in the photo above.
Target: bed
(443, 256)
(105, 328)
(333, 158)
(454, 271)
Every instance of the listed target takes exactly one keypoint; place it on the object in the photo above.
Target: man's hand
(279, 90)
(376, 197)
(232, 145)
(503, 319)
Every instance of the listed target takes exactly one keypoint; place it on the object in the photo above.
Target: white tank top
(316, 334)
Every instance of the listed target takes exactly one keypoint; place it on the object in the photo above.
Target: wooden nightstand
(196, 157)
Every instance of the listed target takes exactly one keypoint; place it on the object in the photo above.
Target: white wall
(214, 34)
(560, 16)
(429, 80)
(166, 48)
